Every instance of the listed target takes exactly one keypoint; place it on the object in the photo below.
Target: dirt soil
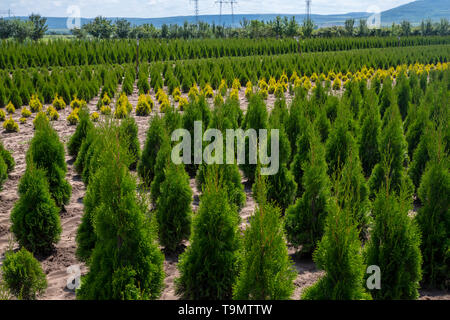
(55, 266)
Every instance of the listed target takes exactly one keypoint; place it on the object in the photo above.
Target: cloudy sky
(166, 8)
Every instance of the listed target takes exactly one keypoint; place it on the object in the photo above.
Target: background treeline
(67, 53)
(279, 27)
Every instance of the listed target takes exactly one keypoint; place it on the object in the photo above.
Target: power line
(196, 10)
(231, 3)
(9, 12)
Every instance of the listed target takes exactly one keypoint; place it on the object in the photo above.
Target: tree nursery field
(94, 207)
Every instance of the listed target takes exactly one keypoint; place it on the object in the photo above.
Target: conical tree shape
(267, 271)
(394, 153)
(305, 220)
(422, 155)
(357, 194)
(339, 254)
(126, 262)
(394, 247)
(208, 268)
(47, 152)
(163, 160)
(368, 141)
(35, 216)
(434, 221)
(146, 166)
(129, 135)
(174, 208)
(84, 126)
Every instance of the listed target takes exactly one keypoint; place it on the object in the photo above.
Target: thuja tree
(47, 152)
(129, 136)
(393, 155)
(256, 118)
(434, 221)
(369, 138)
(208, 268)
(353, 183)
(422, 154)
(394, 246)
(403, 95)
(83, 128)
(266, 271)
(126, 262)
(174, 208)
(147, 163)
(305, 220)
(163, 160)
(35, 216)
(303, 147)
(339, 255)
(7, 164)
(339, 143)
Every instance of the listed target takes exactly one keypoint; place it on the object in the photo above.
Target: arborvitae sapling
(394, 246)
(208, 268)
(267, 272)
(83, 128)
(126, 262)
(146, 166)
(23, 275)
(393, 152)
(368, 140)
(163, 160)
(303, 148)
(174, 208)
(434, 222)
(305, 220)
(47, 152)
(129, 136)
(35, 216)
(339, 255)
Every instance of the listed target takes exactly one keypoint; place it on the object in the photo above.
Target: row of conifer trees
(63, 53)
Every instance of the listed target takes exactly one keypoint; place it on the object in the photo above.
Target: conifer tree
(146, 166)
(126, 262)
(403, 95)
(422, 155)
(174, 208)
(84, 125)
(266, 269)
(339, 143)
(386, 96)
(256, 118)
(393, 155)
(47, 152)
(35, 216)
(162, 162)
(305, 220)
(7, 163)
(368, 141)
(129, 136)
(208, 268)
(394, 246)
(339, 255)
(434, 219)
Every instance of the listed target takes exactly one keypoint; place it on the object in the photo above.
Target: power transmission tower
(9, 12)
(308, 10)
(196, 10)
(231, 3)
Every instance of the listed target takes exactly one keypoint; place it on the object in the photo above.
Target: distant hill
(414, 12)
(418, 10)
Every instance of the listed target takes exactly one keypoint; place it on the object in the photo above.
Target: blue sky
(167, 8)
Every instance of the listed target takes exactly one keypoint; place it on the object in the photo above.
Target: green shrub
(10, 125)
(84, 126)
(152, 144)
(267, 272)
(434, 223)
(126, 262)
(369, 138)
(129, 136)
(394, 247)
(47, 152)
(23, 275)
(208, 268)
(339, 254)
(305, 220)
(35, 217)
(174, 208)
